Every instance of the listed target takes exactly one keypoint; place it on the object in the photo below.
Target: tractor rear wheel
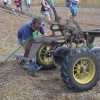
(44, 58)
(80, 69)
(61, 53)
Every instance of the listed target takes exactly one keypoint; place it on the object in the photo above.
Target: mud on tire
(80, 69)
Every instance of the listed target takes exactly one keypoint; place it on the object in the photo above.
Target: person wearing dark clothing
(18, 4)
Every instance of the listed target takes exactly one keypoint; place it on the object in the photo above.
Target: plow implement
(79, 66)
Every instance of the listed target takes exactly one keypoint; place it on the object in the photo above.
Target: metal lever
(22, 58)
(14, 12)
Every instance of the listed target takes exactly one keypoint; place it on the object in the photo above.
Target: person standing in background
(45, 9)
(7, 2)
(18, 4)
(27, 3)
(72, 4)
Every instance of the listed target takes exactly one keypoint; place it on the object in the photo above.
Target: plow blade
(7, 63)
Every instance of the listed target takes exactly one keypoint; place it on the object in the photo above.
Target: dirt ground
(15, 84)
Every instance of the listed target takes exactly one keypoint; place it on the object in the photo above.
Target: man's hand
(46, 34)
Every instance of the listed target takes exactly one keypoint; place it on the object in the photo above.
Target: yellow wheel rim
(84, 70)
(44, 56)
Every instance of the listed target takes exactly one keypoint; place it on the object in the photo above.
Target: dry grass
(89, 2)
(62, 2)
(15, 84)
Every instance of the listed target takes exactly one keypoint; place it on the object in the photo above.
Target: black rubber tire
(57, 60)
(41, 55)
(78, 61)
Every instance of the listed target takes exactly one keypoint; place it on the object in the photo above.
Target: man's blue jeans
(33, 66)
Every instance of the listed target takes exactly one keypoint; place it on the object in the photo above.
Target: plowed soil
(15, 84)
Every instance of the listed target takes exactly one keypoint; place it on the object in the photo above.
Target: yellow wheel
(84, 70)
(44, 57)
(80, 69)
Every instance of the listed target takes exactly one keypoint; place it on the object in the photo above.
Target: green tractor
(79, 65)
